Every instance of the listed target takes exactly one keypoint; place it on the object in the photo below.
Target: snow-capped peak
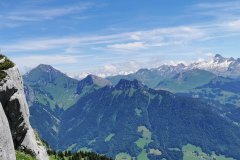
(219, 65)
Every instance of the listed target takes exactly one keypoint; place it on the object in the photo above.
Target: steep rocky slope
(15, 113)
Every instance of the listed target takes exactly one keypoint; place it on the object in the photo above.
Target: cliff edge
(15, 129)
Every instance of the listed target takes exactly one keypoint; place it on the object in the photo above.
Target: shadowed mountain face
(130, 119)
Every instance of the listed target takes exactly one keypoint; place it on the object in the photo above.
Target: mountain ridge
(218, 65)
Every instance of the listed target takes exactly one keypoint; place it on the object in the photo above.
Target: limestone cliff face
(7, 151)
(13, 102)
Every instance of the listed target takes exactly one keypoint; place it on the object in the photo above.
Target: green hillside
(24, 156)
(186, 81)
(49, 93)
(53, 88)
(148, 121)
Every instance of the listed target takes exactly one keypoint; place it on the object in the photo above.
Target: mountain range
(161, 113)
(218, 65)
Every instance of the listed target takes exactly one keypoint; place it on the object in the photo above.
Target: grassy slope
(191, 152)
(187, 81)
(24, 156)
(52, 88)
(221, 89)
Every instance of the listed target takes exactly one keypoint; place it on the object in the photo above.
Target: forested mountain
(132, 120)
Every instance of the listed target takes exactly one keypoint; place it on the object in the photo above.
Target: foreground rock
(6, 144)
(13, 105)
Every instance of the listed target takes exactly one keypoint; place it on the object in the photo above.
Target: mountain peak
(45, 68)
(45, 73)
(218, 56)
(142, 70)
(220, 59)
(93, 79)
(126, 84)
(181, 65)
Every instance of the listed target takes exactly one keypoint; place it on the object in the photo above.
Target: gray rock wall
(7, 151)
(16, 109)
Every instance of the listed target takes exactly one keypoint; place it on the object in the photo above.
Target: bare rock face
(7, 150)
(14, 103)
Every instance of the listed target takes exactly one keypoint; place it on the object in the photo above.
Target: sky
(108, 37)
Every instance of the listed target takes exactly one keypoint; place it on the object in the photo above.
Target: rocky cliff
(15, 129)
(7, 151)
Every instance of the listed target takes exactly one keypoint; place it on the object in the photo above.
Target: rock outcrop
(7, 151)
(13, 102)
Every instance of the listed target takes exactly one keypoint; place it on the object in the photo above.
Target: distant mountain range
(129, 116)
(218, 65)
(185, 81)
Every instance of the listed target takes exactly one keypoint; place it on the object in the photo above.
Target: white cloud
(32, 61)
(150, 38)
(110, 70)
(44, 13)
(219, 12)
(135, 36)
(234, 25)
(128, 46)
(40, 44)
(161, 37)
(118, 69)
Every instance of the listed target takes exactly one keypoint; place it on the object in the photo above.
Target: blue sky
(108, 37)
